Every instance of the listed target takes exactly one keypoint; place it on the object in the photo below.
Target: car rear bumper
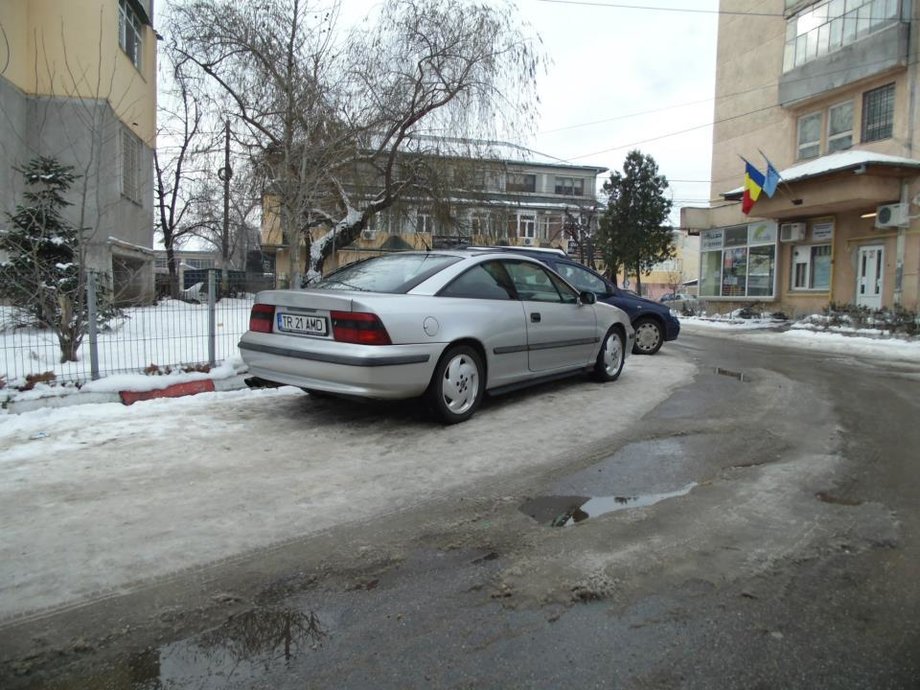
(370, 371)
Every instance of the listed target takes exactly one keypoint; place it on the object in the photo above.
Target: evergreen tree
(42, 275)
(633, 233)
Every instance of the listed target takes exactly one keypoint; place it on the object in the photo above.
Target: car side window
(582, 279)
(533, 283)
(485, 281)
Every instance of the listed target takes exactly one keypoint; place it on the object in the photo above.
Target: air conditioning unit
(892, 216)
(791, 232)
(528, 241)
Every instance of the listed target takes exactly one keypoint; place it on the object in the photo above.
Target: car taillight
(359, 327)
(262, 318)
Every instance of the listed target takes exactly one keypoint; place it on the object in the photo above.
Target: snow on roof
(486, 149)
(835, 162)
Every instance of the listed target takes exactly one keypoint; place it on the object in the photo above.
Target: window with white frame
(424, 222)
(811, 267)
(131, 155)
(527, 225)
(878, 113)
(570, 186)
(544, 231)
(480, 224)
(809, 136)
(840, 127)
(130, 32)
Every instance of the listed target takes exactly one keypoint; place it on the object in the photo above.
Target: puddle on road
(241, 650)
(564, 511)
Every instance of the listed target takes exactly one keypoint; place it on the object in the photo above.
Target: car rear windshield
(393, 273)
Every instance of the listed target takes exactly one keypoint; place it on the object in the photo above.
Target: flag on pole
(772, 178)
(753, 185)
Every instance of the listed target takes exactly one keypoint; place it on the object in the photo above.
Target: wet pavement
(758, 530)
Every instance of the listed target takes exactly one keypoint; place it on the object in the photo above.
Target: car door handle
(535, 317)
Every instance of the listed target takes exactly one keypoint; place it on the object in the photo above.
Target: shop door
(869, 277)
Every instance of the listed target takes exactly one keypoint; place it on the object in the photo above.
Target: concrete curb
(175, 390)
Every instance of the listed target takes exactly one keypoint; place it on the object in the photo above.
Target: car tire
(649, 337)
(611, 357)
(457, 385)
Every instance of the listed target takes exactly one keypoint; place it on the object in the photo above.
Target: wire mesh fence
(171, 335)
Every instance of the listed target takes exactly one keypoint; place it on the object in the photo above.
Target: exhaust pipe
(256, 382)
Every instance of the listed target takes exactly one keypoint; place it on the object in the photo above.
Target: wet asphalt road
(759, 529)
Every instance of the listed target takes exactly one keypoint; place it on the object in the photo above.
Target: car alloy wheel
(457, 386)
(610, 359)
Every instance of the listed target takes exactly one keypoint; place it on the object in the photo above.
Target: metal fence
(172, 335)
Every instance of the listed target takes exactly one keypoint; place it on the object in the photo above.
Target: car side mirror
(587, 297)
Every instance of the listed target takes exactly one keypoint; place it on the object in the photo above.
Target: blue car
(653, 321)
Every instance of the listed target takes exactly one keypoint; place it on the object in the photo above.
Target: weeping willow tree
(340, 122)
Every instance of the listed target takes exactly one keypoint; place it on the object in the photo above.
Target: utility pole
(225, 174)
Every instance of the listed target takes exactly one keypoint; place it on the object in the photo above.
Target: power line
(620, 6)
(697, 102)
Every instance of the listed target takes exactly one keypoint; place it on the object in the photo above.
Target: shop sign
(710, 240)
(822, 231)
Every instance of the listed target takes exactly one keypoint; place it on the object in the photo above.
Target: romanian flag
(753, 185)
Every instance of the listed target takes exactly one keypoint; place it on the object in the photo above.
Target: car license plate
(304, 324)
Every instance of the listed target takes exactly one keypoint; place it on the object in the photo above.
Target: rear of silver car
(304, 342)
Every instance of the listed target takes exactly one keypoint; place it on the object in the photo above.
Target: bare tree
(69, 134)
(341, 123)
(178, 197)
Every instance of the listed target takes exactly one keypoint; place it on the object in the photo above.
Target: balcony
(873, 55)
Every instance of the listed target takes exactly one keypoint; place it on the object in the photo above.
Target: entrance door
(869, 277)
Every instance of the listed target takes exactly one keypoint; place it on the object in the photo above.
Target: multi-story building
(829, 92)
(523, 198)
(78, 84)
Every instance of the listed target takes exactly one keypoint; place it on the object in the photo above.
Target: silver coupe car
(450, 325)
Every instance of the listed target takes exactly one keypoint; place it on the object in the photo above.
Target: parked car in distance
(680, 301)
(653, 322)
(450, 325)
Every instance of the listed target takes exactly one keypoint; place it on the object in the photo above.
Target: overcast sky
(624, 74)
(624, 78)
(621, 75)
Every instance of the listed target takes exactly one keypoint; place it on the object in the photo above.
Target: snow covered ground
(809, 334)
(115, 493)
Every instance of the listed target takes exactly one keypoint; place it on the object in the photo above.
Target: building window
(811, 267)
(131, 154)
(825, 27)
(809, 136)
(840, 127)
(878, 113)
(520, 182)
(424, 222)
(480, 224)
(130, 32)
(738, 261)
(526, 225)
(570, 186)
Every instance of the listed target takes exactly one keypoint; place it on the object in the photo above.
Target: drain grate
(728, 372)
